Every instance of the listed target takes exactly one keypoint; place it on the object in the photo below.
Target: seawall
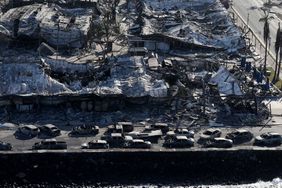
(216, 166)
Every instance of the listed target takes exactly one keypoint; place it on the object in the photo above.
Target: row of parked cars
(44, 144)
(122, 135)
(118, 140)
(49, 130)
(185, 139)
(30, 131)
(212, 138)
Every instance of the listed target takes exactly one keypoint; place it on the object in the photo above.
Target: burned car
(117, 140)
(179, 142)
(139, 143)
(157, 126)
(240, 136)
(51, 144)
(184, 132)
(4, 146)
(84, 130)
(95, 144)
(209, 134)
(50, 130)
(170, 135)
(152, 136)
(114, 129)
(269, 139)
(126, 126)
(218, 143)
(29, 131)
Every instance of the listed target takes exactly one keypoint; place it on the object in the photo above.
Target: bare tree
(105, 26)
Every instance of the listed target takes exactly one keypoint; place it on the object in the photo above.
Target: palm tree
(277, 47)
(279, 65)
(265, 19)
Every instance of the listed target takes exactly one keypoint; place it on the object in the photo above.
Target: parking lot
(74, 143)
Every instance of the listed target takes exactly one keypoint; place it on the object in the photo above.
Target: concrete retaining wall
(211, 166)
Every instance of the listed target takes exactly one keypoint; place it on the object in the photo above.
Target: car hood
(204, 136)
(84, 145)
(259, 138)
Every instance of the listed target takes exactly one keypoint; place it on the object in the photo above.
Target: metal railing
(257, 41)
(244, 25)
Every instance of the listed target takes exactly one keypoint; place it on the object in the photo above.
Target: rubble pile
(226, 83)
(128, 76)
(28, 78)
(56, 25)
(200, 23)
(179, 62)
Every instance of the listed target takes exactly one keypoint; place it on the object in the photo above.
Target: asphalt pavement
(250, 11)
(74, 143)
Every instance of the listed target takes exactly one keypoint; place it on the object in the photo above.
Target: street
(252, 7)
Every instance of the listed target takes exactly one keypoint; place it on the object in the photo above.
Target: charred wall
(85, 102)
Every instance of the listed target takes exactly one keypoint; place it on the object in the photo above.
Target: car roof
(50, 140)
(241, 130)
(134, 133)
(124, 123)
(160, 124)
(116, 134)
(49, 126)
(271, 133)
(110, 126)
(170, 133)
(182, 128)
(128, 137)
(30, 126)
(99, 141)
(181, 137)
(212, 129)
(220, 138)
(118, 126)
(155, 132)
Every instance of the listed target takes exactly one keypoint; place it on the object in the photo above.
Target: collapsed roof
(125, 76)
(227, 84)
(129, 77)
(27, 78)
(202, 23)
(56, 25)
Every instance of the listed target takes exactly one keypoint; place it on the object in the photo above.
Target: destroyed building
(179, 54)
(57, 26)
(187, 25)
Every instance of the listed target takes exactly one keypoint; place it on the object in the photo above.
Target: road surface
(252, 8)
(250, 11)
(74, 143)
